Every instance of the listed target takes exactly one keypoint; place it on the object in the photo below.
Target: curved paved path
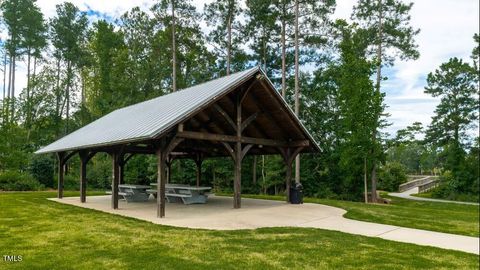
(218, 214)
(408, 195)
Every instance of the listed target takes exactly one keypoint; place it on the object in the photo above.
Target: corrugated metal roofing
(150, 118)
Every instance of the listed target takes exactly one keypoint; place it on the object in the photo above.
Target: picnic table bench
(133, 193)
(183, 193)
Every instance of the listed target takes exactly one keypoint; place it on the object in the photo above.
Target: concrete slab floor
(218, 214)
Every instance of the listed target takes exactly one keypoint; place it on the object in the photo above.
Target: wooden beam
(128, 158)
(229, 149)
(68, 156)
(245, 150)
(249, 120)
(61, 173)
(244, 94)
(225, 115)
(246, 140)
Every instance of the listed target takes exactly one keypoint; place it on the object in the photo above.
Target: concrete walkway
(408, 195)
(218, 214)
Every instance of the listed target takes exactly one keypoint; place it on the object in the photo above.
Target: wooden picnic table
(183, 193)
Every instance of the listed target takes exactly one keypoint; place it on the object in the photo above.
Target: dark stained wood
(61, 173)
(291, 122)
(164, 147)
(237, 180)
(289, 154)
(68, 156)
(229, 149)
(245, 92)
(161, 179)
(247, 140)
(198, 162)
(115, 178)
(128, 157)
(245, 150)
(83, 175)
(225, 115)
(249, 120)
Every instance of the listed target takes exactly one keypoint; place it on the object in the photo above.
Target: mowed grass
(50, 235)
(433, 216)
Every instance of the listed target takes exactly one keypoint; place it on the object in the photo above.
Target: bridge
(423, 182)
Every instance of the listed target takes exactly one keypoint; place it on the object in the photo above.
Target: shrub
(71, 182)
(18, 181)
(391, 176)
(41, 167)
(448, 189)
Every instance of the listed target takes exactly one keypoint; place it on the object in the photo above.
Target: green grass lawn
(433, 216)
(50, 235)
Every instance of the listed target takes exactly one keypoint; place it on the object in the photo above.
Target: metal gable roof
(149, 119)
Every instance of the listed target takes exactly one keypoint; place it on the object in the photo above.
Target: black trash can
(296, 194)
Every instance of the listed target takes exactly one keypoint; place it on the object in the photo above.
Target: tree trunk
(4, 74)
(174, 55)
(284, 75)
(4, 86)
(12, 94)
(229, 45)
(7, 104)
(297, 87)
(365, 179)
(57, 101)
(379, 77)
(69, 79)
(27, 115)
(254, 170)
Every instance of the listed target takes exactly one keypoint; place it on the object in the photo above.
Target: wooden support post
(237, 181)
(161, 180)
(83, 175)
(164, 148)
(115, 178)
(61, 173)
(288, 157)
(288, 175)
(169, 170)
(121, 173)
(198, 162)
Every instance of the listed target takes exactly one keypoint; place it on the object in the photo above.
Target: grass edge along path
(50, 235)
(432, 216)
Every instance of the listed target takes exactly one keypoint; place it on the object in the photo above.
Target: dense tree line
(78, 71)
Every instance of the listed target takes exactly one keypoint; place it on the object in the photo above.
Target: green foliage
(456, 83)
(41, 167)
(391, 176)
(397, 33)
(14, 180)
(71, 182)
(343, 113)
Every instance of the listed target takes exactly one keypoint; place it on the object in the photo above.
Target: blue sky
(447, 28)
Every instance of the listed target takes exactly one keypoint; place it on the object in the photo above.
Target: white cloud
(447, 29)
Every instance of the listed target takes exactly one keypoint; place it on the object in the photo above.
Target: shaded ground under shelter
(232, 116)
